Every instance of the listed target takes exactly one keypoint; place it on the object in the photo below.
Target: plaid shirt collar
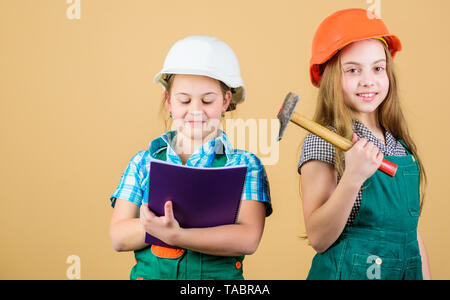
(202, 157)
(391, 142)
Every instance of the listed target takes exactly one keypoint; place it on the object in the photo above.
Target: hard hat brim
(316, 63)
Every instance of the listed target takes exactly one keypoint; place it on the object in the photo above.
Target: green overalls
(186, 264)
(382, 242)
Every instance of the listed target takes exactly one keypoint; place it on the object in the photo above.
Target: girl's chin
(366, 106)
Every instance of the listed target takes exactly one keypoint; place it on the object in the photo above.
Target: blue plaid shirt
(134, 182)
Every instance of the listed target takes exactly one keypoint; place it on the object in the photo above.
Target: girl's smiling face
(196, 104)
(365, 82)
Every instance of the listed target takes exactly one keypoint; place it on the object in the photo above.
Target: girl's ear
(227, 100)
(167, 103)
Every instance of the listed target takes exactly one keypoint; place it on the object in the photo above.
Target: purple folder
(201, 197)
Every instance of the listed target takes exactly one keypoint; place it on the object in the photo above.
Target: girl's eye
(184, 100)
(352, 71)
(379, 69)
(208, 100)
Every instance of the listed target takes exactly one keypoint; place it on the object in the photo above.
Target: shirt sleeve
(256, 186)
(132, 185)
(316, 148)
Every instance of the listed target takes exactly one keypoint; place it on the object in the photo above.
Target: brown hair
(332, 112)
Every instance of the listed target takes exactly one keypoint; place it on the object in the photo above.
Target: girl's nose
(366, 80)
(196, 105)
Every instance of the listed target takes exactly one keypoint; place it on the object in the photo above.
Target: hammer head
(286, 111)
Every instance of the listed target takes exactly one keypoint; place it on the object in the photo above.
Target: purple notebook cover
(201, 197)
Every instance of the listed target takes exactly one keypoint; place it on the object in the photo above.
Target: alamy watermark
(262, 137)
(74, 270)
(374, 10)
(258, 136)
(74, 10)
(374, 270)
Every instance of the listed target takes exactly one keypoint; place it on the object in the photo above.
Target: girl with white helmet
(201, 78)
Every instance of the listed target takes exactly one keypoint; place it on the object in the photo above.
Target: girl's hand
(165, 228)
(362, 160)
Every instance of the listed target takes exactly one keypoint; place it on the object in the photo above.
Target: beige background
(77, 102)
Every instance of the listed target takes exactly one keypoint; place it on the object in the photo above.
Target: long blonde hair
(332, 112)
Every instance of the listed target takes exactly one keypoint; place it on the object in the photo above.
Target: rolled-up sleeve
(133, 182)
(256, 186)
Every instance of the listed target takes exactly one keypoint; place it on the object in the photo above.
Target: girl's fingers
(354, 138)
(146, 212)
(361, 143)
(376, 152)
(168, 211)
(142, 209)
(380, 157)
(371, 149)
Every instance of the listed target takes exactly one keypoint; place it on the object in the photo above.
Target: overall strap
(162, 155)
(219, 159)
(406, 147)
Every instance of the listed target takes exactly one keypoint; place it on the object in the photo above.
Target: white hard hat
(207, 56)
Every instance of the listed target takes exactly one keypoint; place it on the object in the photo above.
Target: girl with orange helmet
(362, 223)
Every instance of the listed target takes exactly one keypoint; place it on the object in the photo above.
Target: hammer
(287, 113)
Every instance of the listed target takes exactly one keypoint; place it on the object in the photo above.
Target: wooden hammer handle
(336, 140)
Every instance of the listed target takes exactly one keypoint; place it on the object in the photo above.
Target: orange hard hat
(342, 28)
